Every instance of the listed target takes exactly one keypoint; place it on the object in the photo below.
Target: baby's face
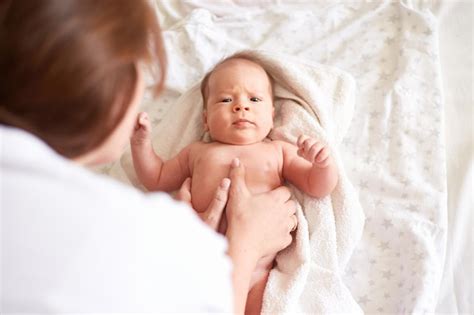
(239, 104)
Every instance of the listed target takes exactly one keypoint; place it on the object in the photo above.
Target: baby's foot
(142, 130)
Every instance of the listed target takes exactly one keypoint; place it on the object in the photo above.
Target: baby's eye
(255, 99)
(226, 100)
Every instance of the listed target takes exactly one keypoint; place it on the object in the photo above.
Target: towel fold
(318, 101)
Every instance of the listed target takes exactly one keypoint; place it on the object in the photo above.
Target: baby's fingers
(313, 151)
(300, 153)
(308, 144)
(143, 119)
(301, 140)
(323, 155)
(140, 119)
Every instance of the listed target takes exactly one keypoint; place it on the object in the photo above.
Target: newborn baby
(238, 114)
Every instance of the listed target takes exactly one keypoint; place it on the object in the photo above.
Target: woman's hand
(212, 216)
(258, 225)
(262, 222)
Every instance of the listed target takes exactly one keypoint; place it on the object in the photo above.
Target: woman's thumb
(237, 178)
(184, 193)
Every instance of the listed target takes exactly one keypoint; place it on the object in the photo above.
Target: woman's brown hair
(68, 68)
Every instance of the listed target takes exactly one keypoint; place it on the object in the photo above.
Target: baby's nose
(238, 108)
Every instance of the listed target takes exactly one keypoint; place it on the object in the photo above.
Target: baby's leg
(255, 296)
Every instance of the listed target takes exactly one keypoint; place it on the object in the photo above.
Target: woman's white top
(74, 241)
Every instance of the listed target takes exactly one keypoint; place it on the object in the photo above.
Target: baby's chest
(262, 167)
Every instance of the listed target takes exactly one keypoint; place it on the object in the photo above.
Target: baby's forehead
(229, 67)
(239, 63)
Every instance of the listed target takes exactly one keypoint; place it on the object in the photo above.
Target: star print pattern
(394, 149)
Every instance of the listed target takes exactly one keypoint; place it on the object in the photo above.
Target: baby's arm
(310, 167)
(152, 171)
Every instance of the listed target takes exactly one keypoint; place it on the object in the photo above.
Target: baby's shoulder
(286, 150)
(282, 145)
(196, 147)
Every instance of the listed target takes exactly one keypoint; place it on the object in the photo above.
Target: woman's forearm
(244, 263)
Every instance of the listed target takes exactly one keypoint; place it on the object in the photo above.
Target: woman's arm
(244, 262)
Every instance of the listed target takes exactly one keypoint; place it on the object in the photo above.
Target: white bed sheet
(456, 50)
(395, 151)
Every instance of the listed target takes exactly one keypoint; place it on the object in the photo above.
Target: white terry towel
(318, 101)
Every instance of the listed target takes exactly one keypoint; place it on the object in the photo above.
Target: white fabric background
(456, 50)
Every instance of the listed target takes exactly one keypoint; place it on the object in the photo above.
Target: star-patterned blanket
(394, 149)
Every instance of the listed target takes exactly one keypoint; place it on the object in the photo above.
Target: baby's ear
(204, 120)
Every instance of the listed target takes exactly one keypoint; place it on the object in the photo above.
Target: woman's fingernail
(235, 162)
(225, 183)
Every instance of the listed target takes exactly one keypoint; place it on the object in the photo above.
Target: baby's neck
(210, 140)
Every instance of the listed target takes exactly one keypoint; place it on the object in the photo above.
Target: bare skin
(239, 115)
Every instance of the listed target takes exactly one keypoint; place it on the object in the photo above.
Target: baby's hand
(314, 151)
(141, 130)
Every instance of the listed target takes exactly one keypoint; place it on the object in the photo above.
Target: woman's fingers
(184, 193)
(291, 206)
(280, 194)
(212, 216)
(294, 223)
(237, 178)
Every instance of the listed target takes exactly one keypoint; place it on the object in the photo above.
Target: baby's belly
(204, 185)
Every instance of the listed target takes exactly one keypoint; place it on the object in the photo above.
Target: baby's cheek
(269, 122)
(217, 124)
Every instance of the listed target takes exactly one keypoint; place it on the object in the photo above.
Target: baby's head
(238, 101)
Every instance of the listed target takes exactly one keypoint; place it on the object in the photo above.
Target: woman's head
(69, 69)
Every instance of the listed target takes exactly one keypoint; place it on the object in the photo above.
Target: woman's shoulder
(92, 227)
(36, 175)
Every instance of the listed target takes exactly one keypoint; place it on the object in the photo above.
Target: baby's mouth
(242, 123)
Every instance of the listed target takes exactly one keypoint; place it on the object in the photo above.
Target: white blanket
(394, 150)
